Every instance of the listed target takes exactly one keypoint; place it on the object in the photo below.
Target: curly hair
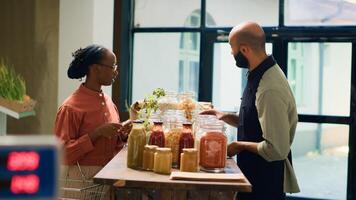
(83, 58)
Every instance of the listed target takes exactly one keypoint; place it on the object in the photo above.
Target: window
(165, 13)
(189, 62)
(320, 12)
(152, 70)
(193, 78)
(320, 82)
(320, 155)
(189, 56)
(228, 80)
(232, 12)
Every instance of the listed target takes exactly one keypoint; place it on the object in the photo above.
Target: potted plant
(13, 91)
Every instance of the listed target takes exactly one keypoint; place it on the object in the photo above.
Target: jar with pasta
(188, 104)
(172, 134)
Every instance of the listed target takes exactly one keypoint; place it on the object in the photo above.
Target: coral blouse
(80, 114)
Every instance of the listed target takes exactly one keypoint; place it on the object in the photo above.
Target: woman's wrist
(94, 135)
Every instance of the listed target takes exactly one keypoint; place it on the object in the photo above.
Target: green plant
(150, 103)
(12, 85)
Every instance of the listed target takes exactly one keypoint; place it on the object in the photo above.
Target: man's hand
(234, 148)
(216, 113)
(237, 146)
(229, 118)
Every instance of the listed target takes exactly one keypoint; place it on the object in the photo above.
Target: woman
(87, 122)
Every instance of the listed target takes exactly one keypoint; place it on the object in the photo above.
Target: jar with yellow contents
(163, 161)
(189, 160)
(148, 157)
(136, 144)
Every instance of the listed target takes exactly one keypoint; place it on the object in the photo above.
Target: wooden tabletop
(116, 172)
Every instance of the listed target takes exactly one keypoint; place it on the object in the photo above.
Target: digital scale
(29, 167)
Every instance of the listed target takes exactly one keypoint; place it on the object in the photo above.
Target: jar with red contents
(213, 147)
(157, 135)
(186, 139)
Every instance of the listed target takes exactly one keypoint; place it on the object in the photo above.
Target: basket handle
(81, 172)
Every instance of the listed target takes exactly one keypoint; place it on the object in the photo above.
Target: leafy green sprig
(150, 104)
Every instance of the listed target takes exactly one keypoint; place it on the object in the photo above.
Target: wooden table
(116, 173)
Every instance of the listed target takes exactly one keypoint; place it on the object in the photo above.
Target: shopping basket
(81, 188)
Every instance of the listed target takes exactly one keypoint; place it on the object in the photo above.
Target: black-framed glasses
(114, 67)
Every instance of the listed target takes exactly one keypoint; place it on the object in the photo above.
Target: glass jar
(163, 161)
(173, 116)
(189, 160)
(136, 143)
(168, 102)
(200, 121)
(157, 135)
(155, 117)
(172, 133)
(148, 157)
(201, 125)
(188, 104)
(213, 148)
(186, 139)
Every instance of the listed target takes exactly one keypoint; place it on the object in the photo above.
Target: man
(267, 119)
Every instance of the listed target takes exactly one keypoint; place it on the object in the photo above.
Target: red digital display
(23, 160)
(25, 184)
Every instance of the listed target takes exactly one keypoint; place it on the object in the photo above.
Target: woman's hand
(125, 129)
(134, 110)
(107, 130)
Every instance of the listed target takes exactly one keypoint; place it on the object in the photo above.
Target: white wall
(81, 22)
(103, 22)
